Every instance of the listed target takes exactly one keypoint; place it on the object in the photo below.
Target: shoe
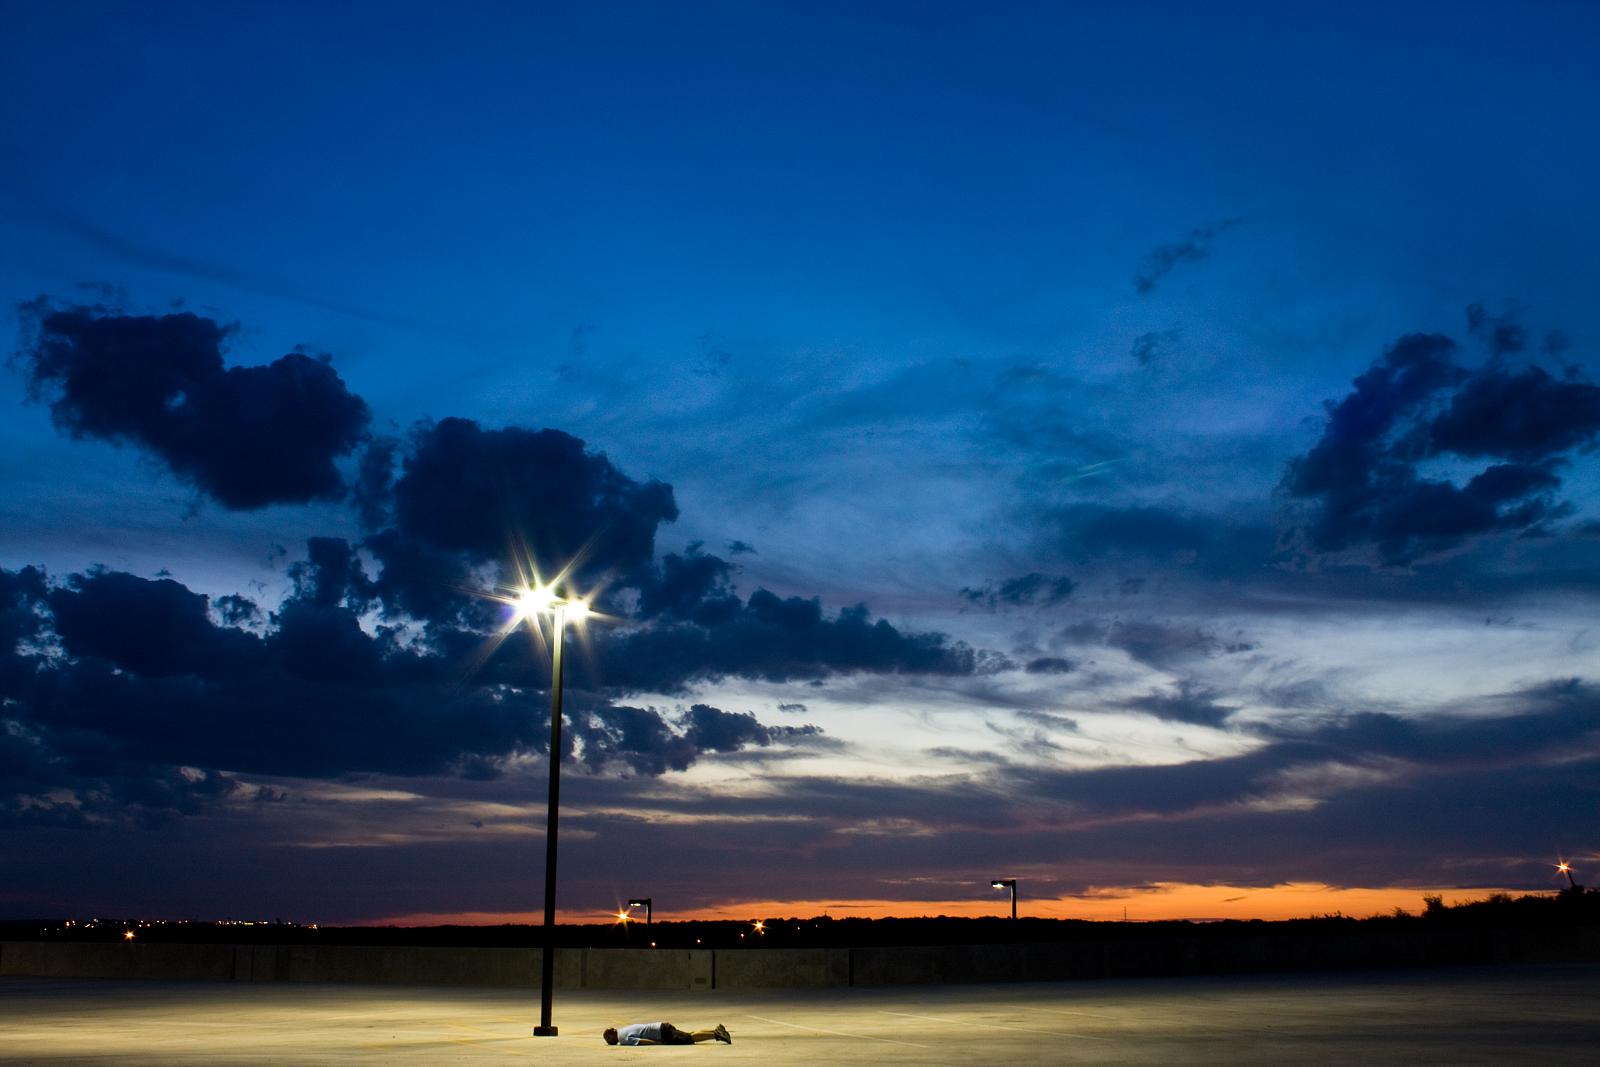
(721, 1034)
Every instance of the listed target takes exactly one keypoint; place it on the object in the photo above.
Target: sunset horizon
(1160, 903)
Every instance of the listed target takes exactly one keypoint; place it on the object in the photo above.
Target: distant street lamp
(1011, 884)
(529, 605)
(642, 902)
(1566, 868)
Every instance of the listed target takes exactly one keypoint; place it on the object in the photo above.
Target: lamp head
(534, 601)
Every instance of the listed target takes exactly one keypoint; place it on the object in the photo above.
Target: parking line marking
(839, 1033)
(997, 1026)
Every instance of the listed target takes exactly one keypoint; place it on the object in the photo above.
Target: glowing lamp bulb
(1563, 867)
(575, 610)
(531, 602)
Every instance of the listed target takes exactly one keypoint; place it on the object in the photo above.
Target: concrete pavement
(1502, 1015)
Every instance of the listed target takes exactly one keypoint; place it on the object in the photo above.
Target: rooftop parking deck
(1500, 1015)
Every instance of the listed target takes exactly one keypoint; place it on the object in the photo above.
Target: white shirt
(632, 1035)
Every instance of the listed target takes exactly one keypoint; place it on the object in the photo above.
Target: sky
(1143, 450)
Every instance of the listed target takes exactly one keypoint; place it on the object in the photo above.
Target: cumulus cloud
(1192, 247)
(120, 689)
(454, 498)
(693, 587)
(473, 491)
(1365, 480)
(245, 436)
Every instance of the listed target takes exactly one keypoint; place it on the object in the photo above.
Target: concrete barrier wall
(632, 968)
(783, 968)
(704, 969)
(44, 960)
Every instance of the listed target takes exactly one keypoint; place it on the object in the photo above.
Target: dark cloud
(777, 639)
(694, 587)
(1148, 347)
(148, 675)
(1154, 643)
(714, 730)
(638, 738)
(330, 574)
(122, 690)
(235, 610)
(1029, 590)
(245, 436)
(1189, 704)
(374, 488)
(418, 581)
(1050, 665)
(1364, 480)
(1555, 720)
(1193, 247)
(740, 548)
(1163, 646)
(1204, 544)
(647, 741)
(490, 495)
(22, 597)
(1527, 417)
(1504, 334)
(84, 788)
(152, 628)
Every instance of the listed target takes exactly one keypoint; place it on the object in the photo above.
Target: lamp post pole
(642, 902)
(1011, 884)
(547, 963)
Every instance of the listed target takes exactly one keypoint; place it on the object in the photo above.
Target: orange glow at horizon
(1161, 901)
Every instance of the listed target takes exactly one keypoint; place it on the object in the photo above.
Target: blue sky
(1200, 397)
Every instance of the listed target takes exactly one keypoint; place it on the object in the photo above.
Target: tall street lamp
(642, 902)
(1011, 884)
(530, 604)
